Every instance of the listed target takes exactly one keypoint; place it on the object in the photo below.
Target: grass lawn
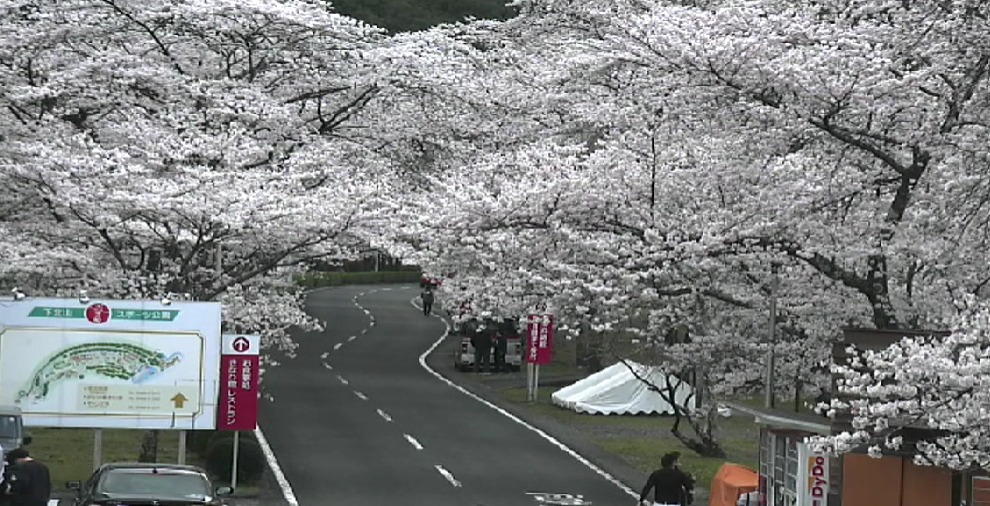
(640, 440)
(69, 452)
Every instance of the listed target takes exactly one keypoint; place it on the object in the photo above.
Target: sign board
(539, 339)
(240, 367)
(111, 364)
(812, 477)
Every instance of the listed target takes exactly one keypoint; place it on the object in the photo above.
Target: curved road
(357, 420)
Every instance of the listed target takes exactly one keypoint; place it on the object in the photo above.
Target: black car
(140, 484)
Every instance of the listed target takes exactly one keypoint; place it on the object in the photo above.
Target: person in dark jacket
(501, 347)
(427, 297)
(482, 342)
(670, 485)
(30, 482)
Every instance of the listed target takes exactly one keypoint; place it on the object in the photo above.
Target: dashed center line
(384, 415)
(446, 474)
(352, 338)
(337, 346)
(328, 366)
(361, 395)
(413, 442)
(342, 380)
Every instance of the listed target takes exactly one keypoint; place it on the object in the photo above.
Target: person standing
(501, 347)
(670, 485)
(427, 298)
(482, 342)
(30, 481)
(3, 477)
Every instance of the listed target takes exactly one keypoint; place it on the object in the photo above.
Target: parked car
(430, 281)
(144, 484)
(12, 433)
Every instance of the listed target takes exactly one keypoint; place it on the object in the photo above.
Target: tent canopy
(616, 390)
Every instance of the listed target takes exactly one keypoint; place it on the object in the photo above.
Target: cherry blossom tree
(194, 149)
(696, 151)
(925, 393)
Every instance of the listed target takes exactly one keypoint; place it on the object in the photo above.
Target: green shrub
(250, 460)
(199, 441)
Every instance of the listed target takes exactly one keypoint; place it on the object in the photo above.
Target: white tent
(616, 390)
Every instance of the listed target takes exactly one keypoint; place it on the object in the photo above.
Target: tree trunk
(149, 447)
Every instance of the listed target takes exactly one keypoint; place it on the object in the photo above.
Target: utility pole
(769, 400)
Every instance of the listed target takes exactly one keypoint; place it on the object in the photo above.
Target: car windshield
(144, 482)
(8, 427)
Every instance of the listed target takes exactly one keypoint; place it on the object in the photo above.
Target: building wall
(893, 481)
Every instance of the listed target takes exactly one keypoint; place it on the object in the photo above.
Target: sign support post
(97, 448)
(182, 447)
(233, 462)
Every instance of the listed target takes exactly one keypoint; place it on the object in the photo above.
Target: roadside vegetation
(69, 454)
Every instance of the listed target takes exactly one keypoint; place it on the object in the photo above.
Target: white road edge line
(342, 380)
(290, 496)
(361, 395)
(384, 415)
(266, 450)
(413, 441)
(446, 474)
(422, 362)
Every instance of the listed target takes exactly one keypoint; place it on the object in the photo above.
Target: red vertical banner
(240, 374)
(539, 339)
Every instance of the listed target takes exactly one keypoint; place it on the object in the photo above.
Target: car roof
(141, 466)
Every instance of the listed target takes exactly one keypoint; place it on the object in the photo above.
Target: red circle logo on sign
(98, 313)
(241, 344)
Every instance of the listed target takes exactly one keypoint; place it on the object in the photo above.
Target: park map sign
(111, 364)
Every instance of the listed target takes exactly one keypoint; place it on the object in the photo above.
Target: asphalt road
(357, 420)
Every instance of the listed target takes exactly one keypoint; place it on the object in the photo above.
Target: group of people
(670, 485)
(487, 343)
(23, 480)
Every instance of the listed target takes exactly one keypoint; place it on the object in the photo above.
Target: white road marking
(351, 338)
(364, 331)
(371, 323)
(337, 346)
(325, 354)
(53, 502)
(446, 474)
(384, 415)
(328, 366)
(413, 441)
(366, 311)
(290, 496)
(360, 395)
(342, 380)
(266, 449)
(561, 446)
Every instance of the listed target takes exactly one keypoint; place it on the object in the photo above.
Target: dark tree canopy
(411, 15)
